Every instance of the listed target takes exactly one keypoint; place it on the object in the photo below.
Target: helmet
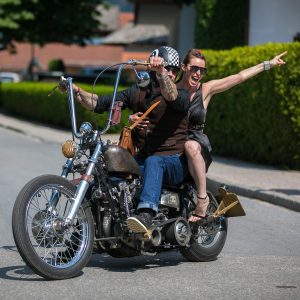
(170, 56)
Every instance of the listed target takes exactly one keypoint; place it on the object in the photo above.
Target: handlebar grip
(62, 82)
(141, 63)
(138, 62)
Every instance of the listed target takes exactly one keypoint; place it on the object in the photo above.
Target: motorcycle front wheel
(50, 249)
(207, 240)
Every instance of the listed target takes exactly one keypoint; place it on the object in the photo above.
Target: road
(260, 260)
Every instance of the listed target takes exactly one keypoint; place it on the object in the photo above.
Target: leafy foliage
(31, 101)
(42, 21)
(221, 24)
(56, 65)
(258, 120)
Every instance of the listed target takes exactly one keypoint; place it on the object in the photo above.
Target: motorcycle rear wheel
(210, 240)
(50, 250)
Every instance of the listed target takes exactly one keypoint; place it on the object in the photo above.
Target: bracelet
(267, 65)
(78, 92)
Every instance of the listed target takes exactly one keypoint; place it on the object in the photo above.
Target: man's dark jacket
(167, 129)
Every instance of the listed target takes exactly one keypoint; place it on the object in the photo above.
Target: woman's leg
(197, 168)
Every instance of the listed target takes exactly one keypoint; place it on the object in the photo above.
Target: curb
(273, 198)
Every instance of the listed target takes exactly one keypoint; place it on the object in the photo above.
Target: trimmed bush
(30, 100)
(56, 65)
(258, 120)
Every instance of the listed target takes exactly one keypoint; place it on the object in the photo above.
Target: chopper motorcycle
(59, 222)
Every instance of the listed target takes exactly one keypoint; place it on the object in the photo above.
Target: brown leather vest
(167, 129)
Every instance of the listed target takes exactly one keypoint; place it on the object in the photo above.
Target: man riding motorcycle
(161, 145)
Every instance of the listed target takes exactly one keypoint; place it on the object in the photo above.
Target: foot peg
(136, 226)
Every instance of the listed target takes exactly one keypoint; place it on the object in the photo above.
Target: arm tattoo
(88, 100)
(168, 88)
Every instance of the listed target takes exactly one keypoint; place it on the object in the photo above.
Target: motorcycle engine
(170, 199)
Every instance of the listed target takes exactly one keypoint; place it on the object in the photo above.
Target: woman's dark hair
(192, 53)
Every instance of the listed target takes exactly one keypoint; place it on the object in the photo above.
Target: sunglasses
(174, 70)
(195, 69)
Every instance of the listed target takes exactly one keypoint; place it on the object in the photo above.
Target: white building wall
(186, 32)
(273, 21)
(161, 14)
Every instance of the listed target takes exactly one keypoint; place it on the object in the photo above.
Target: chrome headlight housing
(86, 128)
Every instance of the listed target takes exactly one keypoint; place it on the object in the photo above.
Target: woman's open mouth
(195, 79)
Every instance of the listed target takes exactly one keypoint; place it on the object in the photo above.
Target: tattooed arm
(165, 78)
(86, 99)
(167, 86)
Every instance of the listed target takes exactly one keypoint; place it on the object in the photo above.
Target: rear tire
(49, 250)
(208, 242)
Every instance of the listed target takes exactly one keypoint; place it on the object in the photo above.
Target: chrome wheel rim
(54, 245)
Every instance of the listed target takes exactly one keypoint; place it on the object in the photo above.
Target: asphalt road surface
(260, 260)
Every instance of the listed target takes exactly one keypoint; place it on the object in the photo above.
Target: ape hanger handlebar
(143, 79)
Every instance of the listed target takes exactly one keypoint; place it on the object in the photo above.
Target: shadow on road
(21, 272)
(133, 264)
(103, 261)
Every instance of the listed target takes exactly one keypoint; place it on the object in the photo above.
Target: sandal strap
(202, 198)
(197, 216)
(201, 206)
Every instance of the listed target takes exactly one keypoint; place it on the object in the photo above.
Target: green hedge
(31, 101)
(258, 120)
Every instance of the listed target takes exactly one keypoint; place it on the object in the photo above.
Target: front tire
(50, 250)
(207, 241)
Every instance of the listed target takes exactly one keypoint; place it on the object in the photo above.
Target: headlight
(86, 128)
(69, 149)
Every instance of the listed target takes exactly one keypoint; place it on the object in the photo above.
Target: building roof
(139, 34)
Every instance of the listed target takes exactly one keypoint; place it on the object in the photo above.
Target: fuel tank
(119, 160)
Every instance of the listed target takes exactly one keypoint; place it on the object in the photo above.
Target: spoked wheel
(207, 240)
(49, 248)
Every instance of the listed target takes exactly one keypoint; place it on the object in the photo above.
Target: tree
(43, 21)
(221, 24)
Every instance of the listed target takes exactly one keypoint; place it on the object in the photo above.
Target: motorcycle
(58, 222)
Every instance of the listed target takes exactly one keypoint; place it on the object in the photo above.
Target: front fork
(82, 186)
(55, 194)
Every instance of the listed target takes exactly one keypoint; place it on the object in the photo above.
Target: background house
(273, 21)
(134, 28)
(161, 22)
(156, 23)
(75, 57)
